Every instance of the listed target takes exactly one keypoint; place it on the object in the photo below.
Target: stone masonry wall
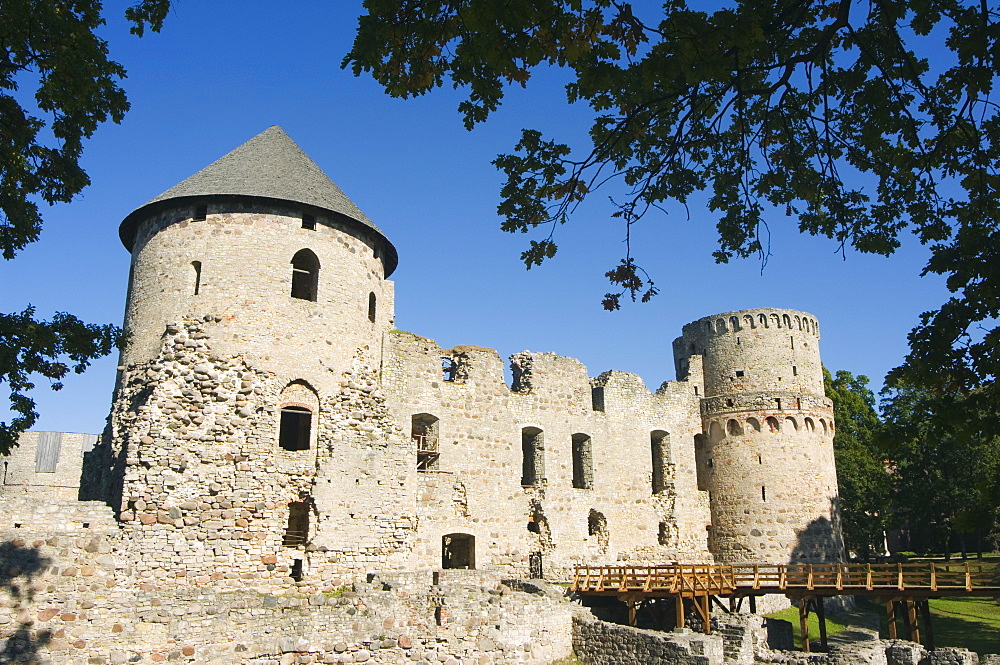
(597, 642)
(46, 463)
(476, 487)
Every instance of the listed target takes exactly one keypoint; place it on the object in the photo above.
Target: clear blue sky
(220, 72)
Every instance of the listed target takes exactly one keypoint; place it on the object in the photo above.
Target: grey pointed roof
(270, 165)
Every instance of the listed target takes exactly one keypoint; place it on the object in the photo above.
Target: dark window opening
(729, 402)
(710, 463)
(597, 398)
(777, 400)
(305, 275)
(772, 424)
(760, 460)
(200, 212)
(448, 368)
(532, 456)
(297, 532)
(659, 444)
(763, 493)
(371, 307)
(795, 370)
(583, 462)
(424, 432)
(739, 374)
(696, 391)
(296, 427)
(197, 276)
(296, 572)
(458, 550)
(309, 222)
(663, 537)
(701, 460)
(597, 526)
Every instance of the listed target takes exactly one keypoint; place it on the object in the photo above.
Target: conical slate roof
(270, 165)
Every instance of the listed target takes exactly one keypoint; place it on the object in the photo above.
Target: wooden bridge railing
(692, 580)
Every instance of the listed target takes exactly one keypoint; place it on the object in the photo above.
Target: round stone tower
(766, 452)
(291, 271)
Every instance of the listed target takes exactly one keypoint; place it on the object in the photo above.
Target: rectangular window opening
(763, 493)
(200, 212)
(295, 429)
(309, 222)
(739, 374)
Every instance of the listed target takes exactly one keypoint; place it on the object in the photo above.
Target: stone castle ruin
(273, 433)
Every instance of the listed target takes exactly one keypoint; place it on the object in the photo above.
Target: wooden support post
(804, 623)
(890, 618)
(679, 608)
(707, 614)
(753, 604)
(631, 611)
(911, 621)
(821, 615)
(925, 610)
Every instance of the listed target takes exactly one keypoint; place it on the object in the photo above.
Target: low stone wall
(598, 642)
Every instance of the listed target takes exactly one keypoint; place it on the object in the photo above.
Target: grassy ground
(973, 623)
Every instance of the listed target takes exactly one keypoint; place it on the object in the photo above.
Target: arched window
(583, 462)
(659, 444)
(424, 432)
(296, 428)
(298, 403)
(371, 307)
(748, 320)
(734, 323)
(791, 421)
(305, 275)
(532, 456)
(763, 320)
(787, 319)
(734, 428)
(772, 424)
(810, 425)
(754, 424)
(720, 326)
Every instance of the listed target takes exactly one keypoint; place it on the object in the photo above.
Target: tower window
(795, 370)
(371, 307)
(295, 429)
(309, 222)
(739, 374)
(297, 532)
(200, 212)
(305, 275)
(763, 493)
(448, 368)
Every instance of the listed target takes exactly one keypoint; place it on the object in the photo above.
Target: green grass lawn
(973, 623)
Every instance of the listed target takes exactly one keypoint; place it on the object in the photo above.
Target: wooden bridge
(904, 588)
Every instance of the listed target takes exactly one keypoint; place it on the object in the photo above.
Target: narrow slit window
(200, 212)
(295, 429)
(795, 370)
(197, 276)
(305, 275)
(371, 306)
(763, 493)
(309, 222)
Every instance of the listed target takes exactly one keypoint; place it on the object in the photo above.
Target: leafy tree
(863, 481)
(828, 111)
(945, 470)
(50, 46)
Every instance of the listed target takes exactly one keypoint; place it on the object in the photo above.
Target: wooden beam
(890, 618)
(679, 609)
(821, 615)
(804, 623)
(911, 621)
(925, 611)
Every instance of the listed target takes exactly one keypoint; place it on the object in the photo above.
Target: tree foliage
(864, 483)
(57, 85)
(946, 471)
(863, 121)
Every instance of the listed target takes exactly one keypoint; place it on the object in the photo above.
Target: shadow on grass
(967, 623)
